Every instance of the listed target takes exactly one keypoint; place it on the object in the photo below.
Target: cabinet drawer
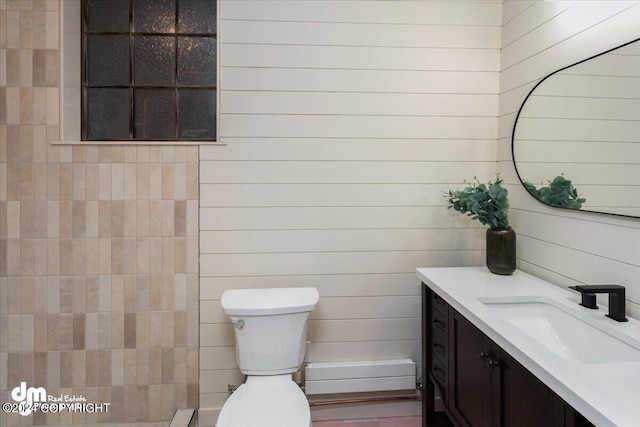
(438, 303)
(439, 373)
(439, 347)
(439, 322)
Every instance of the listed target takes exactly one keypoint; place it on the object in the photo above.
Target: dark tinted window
(149, 70)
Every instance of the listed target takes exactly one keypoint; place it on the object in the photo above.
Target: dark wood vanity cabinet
(481, 385)
(470, 399)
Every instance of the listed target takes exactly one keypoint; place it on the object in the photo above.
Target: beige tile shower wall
(344, 122)
(561, 246)
(98, 250)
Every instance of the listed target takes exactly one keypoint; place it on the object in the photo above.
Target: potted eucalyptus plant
(489, 204)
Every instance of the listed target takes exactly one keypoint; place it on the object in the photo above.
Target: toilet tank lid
(260, 302)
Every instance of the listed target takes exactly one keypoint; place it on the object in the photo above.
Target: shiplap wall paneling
(344, 122)
(559, 245)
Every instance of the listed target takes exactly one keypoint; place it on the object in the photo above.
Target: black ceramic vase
(501, 250)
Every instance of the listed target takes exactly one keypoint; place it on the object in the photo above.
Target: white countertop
(607, 394)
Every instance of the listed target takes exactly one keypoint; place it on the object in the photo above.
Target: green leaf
(486, 203)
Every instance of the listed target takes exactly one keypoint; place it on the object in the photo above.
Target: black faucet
(616, 299)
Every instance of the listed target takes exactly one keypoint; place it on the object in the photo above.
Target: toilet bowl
(272, 401)
(270, 328)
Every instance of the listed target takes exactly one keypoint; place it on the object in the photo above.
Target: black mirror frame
(515, 124)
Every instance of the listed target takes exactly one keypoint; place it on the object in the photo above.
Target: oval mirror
(576, 139)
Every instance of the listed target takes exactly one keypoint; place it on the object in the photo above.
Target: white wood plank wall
(559, 245)
(344, 123)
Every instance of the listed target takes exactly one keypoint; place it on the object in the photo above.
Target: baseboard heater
(357, 377)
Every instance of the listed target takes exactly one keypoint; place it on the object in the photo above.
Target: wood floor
(440, 420)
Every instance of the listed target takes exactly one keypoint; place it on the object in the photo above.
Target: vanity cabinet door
(470, 397)
(520, 399)
(491, 389)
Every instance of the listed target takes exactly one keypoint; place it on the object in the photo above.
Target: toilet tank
(270, 327)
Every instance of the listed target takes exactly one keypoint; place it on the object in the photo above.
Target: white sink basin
(560, 331)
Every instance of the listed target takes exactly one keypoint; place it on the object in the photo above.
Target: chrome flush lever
(238, 324)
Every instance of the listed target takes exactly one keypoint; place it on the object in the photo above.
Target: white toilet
(270, 328)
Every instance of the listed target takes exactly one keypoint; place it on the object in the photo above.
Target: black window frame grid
(131, 87)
